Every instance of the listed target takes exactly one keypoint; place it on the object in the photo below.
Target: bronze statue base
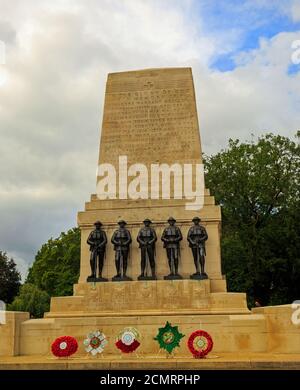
(173, 277)
(124, 278)
(91, 279)
(198, 276)
(147, 277)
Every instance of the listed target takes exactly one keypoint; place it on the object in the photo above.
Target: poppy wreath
(128, 340)
(168, 337)
(200, 343)
(95, 342)
(64, 346)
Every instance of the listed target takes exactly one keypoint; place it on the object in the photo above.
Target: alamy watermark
(296, 312)
(157, 181)
(2, 313)
(2, 53)
(296, 52)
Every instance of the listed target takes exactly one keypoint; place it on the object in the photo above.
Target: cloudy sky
(58, 54)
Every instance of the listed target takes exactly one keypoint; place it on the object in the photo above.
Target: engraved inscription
(150, 120)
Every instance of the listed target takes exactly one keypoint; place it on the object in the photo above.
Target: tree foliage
(31, 299)
(257, 186)
(10, 278)
(56, 265)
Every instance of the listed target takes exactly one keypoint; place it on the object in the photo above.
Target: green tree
(31, 299)
(56, 265)
(257, 186)
(10, 278)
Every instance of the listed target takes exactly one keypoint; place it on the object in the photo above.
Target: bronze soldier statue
(171, 238)
(121, 240)
(146, 239)
(97, 241)
(196, 237)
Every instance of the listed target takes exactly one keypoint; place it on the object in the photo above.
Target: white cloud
(255, 97)
(58, 57)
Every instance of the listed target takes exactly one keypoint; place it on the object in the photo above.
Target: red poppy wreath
(64, 346)
(128, 340)
(200, 343)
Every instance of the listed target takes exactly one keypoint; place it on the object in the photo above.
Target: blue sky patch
(246, 22)
(293, 69)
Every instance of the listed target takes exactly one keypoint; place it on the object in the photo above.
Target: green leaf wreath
(169, 337)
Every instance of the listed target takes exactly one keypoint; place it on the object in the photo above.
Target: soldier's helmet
(171, 219)
(98, 223)
(122, 222)
(195, 219)
(147, 220)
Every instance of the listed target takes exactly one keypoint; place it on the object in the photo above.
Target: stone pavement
(222, 361)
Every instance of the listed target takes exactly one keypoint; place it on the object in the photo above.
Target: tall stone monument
(150, 117)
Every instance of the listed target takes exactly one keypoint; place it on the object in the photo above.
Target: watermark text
(296, 313)
(296, 52)
(2, 313)
(154, 181)
(2, 53)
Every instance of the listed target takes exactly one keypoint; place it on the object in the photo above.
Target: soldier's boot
(176, 266)
(153, 272)
(196, 262)
(143, 266)
(118, 268)
(124, 266)
(93, 267)
(152, 264)
(197, 267)
(170, 266)
(202, 264)
(100, 269)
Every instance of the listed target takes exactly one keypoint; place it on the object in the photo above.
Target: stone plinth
(266, 331)
(283, 327)
(10, 333)
(177, 297)
(231, 333)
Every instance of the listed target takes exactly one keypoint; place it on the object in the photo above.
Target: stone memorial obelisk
(150, 116)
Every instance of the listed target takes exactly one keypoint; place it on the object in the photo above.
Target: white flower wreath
(95, 342)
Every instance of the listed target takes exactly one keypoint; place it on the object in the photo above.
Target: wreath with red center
(95, 342)
(200, 343)
(128, 340)
(64, 346)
